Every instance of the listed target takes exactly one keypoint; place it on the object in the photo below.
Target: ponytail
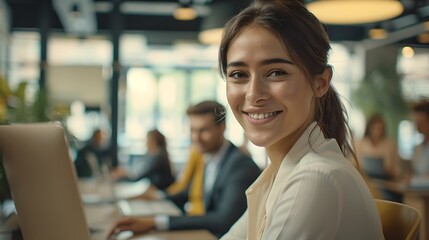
(331, 116)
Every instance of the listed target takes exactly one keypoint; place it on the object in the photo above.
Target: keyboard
(138, 207)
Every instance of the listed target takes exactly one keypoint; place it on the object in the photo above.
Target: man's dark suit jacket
(227, 201)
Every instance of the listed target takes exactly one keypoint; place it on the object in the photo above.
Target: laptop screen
(42, 182)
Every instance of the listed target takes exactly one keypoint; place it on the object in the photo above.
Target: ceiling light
(355, 11)
(185, 13)
(377, 33)
(423, 38)
(408, 52)
(426, 25)
(211, 36)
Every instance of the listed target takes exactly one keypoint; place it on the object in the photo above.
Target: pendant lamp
(343, 12)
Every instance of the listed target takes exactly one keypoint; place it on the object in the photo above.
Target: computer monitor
(43, 182)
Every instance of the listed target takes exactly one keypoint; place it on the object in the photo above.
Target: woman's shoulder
(326, 163)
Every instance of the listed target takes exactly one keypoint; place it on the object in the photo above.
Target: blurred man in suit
(228, 173)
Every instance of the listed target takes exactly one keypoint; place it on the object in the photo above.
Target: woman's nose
(256, 91)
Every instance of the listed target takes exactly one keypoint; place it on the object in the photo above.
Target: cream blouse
(316, 194)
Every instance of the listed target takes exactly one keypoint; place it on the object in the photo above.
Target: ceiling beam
(395, 37)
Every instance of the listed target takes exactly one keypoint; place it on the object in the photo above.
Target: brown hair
(205, 107)
(371, 121)
(308, 44)
(159, 139)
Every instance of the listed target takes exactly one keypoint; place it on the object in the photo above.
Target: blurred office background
(127, 66)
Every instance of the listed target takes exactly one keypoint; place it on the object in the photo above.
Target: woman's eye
(237, 75)
(277, 73)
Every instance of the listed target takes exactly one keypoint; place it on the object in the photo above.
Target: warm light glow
(354, 11)
(426, 25)
(211, 36)
(408, 52)
(377, 33)
(423, 37)
(185, 13)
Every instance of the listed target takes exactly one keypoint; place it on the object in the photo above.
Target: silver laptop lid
(42, 181)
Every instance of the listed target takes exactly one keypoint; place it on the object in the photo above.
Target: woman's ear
(323, 81)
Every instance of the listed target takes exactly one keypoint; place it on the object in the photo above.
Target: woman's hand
(136, 225)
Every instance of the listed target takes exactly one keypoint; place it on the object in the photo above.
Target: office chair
(399, 221)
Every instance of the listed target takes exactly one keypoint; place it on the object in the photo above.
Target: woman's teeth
(259, 116)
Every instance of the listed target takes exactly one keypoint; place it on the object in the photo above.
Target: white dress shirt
(316, 194)
(212, 162)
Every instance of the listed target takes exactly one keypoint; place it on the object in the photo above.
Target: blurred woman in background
(154, 166)
(378, 154)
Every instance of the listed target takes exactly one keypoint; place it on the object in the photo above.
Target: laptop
(42, 181)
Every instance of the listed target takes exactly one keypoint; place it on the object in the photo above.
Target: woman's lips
(261, 118)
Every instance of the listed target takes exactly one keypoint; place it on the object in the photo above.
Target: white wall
(71, 83)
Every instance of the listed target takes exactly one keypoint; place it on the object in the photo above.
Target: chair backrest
(399, 221)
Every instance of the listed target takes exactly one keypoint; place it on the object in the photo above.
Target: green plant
(15, 107)
(380, 92)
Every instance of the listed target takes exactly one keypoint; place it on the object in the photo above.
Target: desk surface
(401, 186)
(100, 218)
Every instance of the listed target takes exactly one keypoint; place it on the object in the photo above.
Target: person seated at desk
(155, 164)
(92, 155)
(420, 159)
(378, 155)
(227, 174)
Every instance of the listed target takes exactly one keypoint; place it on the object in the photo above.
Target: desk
(100, 217)
(415, 197)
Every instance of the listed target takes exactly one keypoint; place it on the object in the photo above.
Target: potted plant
(16, 108)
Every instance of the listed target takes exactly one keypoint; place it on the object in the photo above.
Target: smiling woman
(274, 58)
(256, 78)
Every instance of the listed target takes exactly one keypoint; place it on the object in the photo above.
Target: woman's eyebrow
(264, 62)
(277, 60)
(236, 64)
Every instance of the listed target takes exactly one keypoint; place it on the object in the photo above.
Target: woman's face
(268, 94)
(377, 130)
